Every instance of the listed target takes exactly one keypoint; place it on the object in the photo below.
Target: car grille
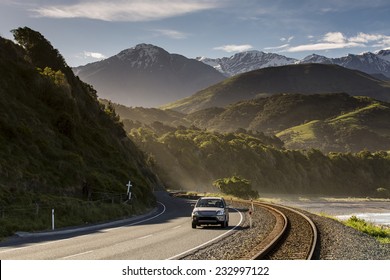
(207, 213)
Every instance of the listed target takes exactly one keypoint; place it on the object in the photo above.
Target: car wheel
(223, 224)
(193, 225)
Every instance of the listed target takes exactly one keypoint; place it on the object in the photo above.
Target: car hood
(208, 209)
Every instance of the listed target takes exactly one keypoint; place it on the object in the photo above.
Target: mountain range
(147, 76)
(377, 64)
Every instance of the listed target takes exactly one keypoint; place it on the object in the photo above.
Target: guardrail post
(52, 219)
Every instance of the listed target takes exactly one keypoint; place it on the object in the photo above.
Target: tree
(236, 186)
(40, 51)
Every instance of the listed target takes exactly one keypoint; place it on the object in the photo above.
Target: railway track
(279, 233)
(294, 236)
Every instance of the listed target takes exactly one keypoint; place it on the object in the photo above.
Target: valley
(318, 129)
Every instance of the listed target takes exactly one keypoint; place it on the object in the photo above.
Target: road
(166, 234)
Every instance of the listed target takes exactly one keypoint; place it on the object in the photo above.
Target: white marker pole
(129, 185)
(52, 219)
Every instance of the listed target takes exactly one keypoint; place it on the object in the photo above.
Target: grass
(381, 233)
(68, 212)
(301, 133)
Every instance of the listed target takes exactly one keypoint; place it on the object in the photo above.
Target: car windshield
(210, 203)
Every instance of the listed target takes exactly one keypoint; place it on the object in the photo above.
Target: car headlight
(195, 213)
(220, 212)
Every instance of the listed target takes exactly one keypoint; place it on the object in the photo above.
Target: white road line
(61, 240)
(146, 236)
(210, 241)
(176, 227)
(76, 255)
(31, 246)
(159, 214)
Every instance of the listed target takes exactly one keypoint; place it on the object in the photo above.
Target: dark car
(210, 211)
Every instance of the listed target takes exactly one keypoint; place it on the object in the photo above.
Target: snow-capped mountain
(376, 64)
(315, 58)
(148, 76)
(369, 63)
(384, 54)
(246, 61)
(142, 56)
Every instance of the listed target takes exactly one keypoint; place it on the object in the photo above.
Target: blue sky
(85, 30)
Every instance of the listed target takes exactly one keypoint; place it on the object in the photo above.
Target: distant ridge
(376, 64)
(300, 78)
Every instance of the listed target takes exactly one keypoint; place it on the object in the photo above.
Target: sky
(85, 31)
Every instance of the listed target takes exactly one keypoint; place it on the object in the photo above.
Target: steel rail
(314, 232)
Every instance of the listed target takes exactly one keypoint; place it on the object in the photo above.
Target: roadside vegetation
(59, 147)
(381, 233)
(191, 158)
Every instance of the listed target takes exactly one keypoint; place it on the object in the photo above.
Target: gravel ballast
(240, 243)
(335, 240)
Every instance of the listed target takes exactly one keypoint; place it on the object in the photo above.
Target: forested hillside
(59, 147)
(334, 122)
(191, 158)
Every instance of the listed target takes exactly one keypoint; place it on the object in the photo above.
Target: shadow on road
(168, 209)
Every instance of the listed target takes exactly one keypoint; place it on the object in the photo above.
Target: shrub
(380, 233)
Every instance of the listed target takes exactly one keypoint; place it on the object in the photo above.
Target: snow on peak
(246, 61)
(315, 58)
(384, 54)
(141, 56)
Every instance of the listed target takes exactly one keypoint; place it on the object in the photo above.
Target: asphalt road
(164, 234)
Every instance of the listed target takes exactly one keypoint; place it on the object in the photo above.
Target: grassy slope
(363, 128)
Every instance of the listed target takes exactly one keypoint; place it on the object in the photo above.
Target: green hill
(302, 79)
(329, 122)
(59, 147)
(366, 128)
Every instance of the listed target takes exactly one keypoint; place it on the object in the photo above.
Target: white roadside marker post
(52, 219)
(129, 185)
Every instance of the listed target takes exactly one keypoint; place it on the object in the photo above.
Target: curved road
(166, 234)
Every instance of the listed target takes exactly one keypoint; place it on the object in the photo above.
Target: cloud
(278, 47)
(337, 40)
(234, 48)
(378, 40)
(121, 10)
(95, 55)
(334, 38)
(174, 34)
(323, 47)
(288, 40)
